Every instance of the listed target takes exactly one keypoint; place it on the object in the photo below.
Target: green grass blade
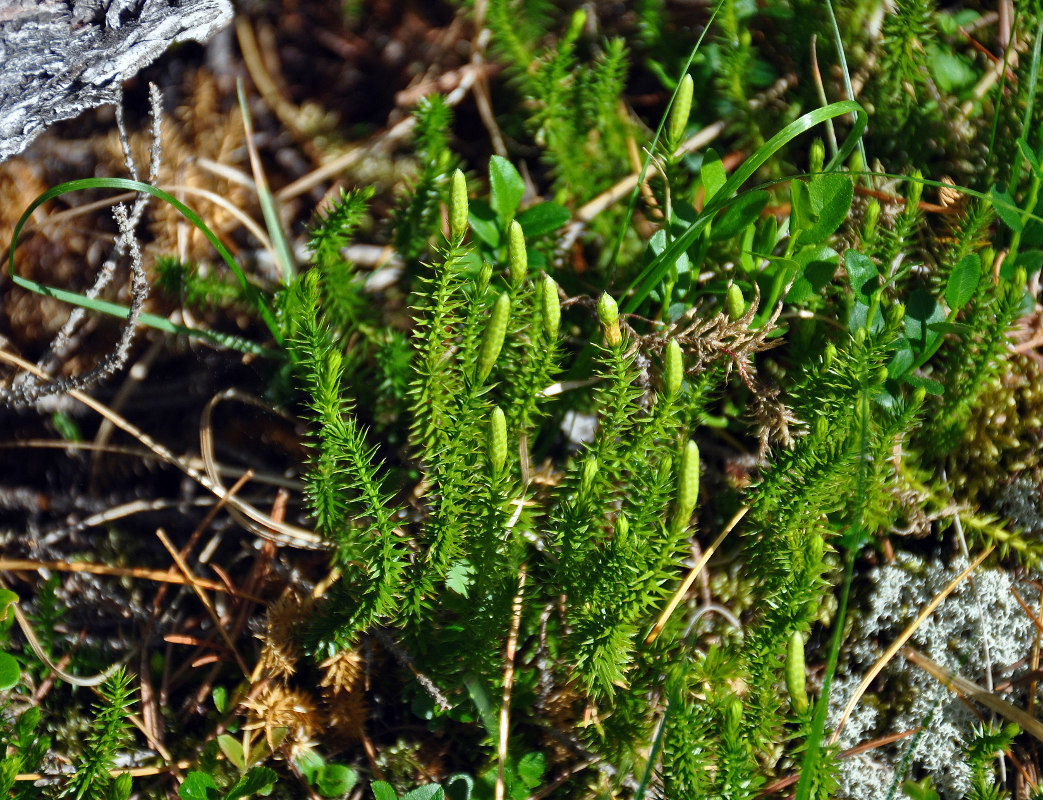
(151, 320)
(654, 273)
(283, 252)
(845, 72)
(250, 290)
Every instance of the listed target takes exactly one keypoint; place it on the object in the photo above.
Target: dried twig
(686, 584)
(204, 598)
(280, 533)
(508, 684)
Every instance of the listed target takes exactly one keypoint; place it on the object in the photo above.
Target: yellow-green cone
(495, 330)
(687, 486)
(734, 302)
(496, 447)
(458, 208)
(551, 307)
(796, 676)
(679, 113)
(817, 157)
(673, 369)
(517, 258)
(608, 313)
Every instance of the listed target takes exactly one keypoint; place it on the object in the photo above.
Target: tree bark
(59, 58)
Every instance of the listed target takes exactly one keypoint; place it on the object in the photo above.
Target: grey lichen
(979, 613)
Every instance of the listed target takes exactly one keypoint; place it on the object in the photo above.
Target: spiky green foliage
(574, 113)
(345, 488)
(975, 357)
(25, 748)
(686, 742)
(415, 217)
(606, 543)
(987, 744)
(345, 303)
(109, 734)
(195, 290)
(903, 67)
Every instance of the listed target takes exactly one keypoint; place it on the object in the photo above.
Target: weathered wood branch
(59, 58)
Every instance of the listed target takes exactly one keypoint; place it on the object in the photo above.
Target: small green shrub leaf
(858, 317)
(930, 385)
(458, 787)
(9, 672)
(309, 764)
(766, 235)
(506, 187)
(658, 243)
(120, 788)
(801, 215)
(951, 327)
(431, 791)
(830, 194)
(531, 768)
(233, 750)
(817, 265)
(383, 791)
(1030, 157)
(483, 222)
(745, 211)
(258, 780)
(862, 272)
(963, 281)
(198, 786)
(334, 780)
(1006, 208)
(950, 71)
(543, 218)
(920, 790)
(922, 311)
(902, 361)
(713, 174)
(220, 696)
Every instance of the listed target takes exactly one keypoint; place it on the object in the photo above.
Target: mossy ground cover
(533, 400)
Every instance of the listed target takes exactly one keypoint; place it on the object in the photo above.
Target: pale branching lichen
(980, 612)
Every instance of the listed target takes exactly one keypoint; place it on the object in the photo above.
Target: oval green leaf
(9, 672)
(963, 281)
(543, 218)
(335, 780)
(1006, 209)
(431, 791)
(506, 188)
(198, 786)
(745, 211)
(830, 194)
(383, 791)
(713, 174)
(233, 750)
(862, 272)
